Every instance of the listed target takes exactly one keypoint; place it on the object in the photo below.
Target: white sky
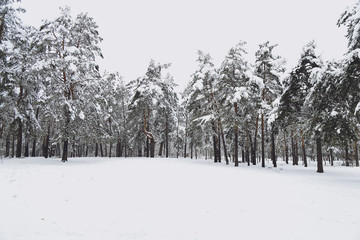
(134, 31)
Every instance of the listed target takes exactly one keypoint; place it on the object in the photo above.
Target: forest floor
(166, 199)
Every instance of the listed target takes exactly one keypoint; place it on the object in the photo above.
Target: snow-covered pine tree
(202, 106)
(292, 112)
(269, 68)
(71, 49)
(146, 94)
(351, 79)
(233, 92)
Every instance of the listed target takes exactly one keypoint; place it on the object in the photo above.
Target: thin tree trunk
(224, 143)
(286, 149)
(167, 137)
(191, 149)
(356, 153)
(101, 150)
(161, 148)
(236, 140)
(19, 138)
(331, 157)
(254, 148)
(347, 162)
(273, 154)
(7, 146)
(320, 168)
(13, 146)
(303, 148)
(65, 150)
(262, 141)
(96, 149)
(247, 153)
(26, 151)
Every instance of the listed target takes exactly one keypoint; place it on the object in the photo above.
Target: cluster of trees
(314, 108)
(55, 101)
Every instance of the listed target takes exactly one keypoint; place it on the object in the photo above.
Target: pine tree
(71, 49)
(268, 67)
(233, 91)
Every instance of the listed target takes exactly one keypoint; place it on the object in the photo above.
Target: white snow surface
(165, 199)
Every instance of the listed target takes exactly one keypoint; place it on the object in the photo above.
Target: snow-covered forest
(56, 101)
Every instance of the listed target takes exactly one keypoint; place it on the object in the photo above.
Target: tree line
(55, 102)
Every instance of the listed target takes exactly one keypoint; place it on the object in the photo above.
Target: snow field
(162, 199)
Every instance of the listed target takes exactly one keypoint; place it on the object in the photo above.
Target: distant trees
(55, 102)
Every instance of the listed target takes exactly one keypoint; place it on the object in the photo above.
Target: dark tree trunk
(356, 153)
(19, 138)
(219, 147)
(152, 148)
(215, 149)
(242, 155)
(262, 141)
(65, 150)
(347, 162)
(7, 146)
(331, 157)
(303, 149)
(13, 146)
(46, 143)
(296, 152)
(215, 143)
(293, 150)
(26, 151)
(236, 140)
(273, 154)
(185, 140)
(161, 148)
(101, 150)
(66, 131)
(253, 148)
(118, 148)
(320, 168)
(110, 149)
(33, 152)
(247, 153)
(96, 149)
(191, 150)
(167, 137)
(224, 143)
(286, 149)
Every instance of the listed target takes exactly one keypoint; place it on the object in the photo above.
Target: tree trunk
(293, 151)
(303, 148)
(26, 151)
(236, 140)
(167, 137)
(215, 143)
(152, 148)
(13, 146)
(65, 150)
(356, 154)
(96, 149)
(161, 148)
(19, 138)
(224, 143)
(247, 153)
(101, 150)
(253, 151)
(191, 149)
(262, 141)
(320, 168)
(7, 146)
(347, 162)
(286, 149)
(273, 154)
(331, 157)
(296, 152)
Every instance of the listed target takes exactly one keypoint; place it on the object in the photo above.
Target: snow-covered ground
(166, 199)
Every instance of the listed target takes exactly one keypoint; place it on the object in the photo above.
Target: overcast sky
(134, 31)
